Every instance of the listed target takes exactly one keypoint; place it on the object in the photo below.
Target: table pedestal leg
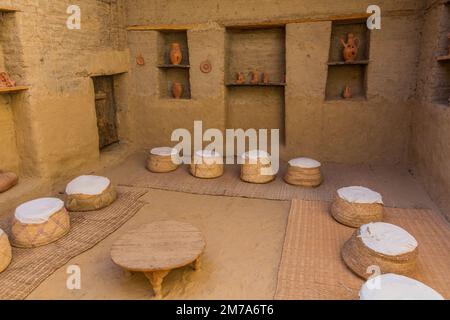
(197, 264)
(156, 278)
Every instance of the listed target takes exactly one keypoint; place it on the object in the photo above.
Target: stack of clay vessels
(89, 193)
(163, 159)
(256, 167)
(5, 251)
(393, 286)
(304, 172)
(207, 164)
(380, 247)
(355, 206)
(39, 222)
(7, 181)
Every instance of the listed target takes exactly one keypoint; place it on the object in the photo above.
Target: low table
(157, 248)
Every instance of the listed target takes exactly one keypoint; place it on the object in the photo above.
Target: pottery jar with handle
(350, 51)
(176, 56)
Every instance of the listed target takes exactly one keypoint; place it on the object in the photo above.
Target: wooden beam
(4, 9)
(161, 27)
(5, 90)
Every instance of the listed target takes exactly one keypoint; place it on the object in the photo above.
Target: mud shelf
(4, 9)
(255, 84)
(343, 63)
(15, 89)
(181, 66)
(443, 58)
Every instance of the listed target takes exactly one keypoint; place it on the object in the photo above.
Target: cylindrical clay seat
(5, 251)
(380, 245)
(304, 172)
(256, 167)
(39, 222)
(392, 286)
(207, 164)
(7, 181)
(89, 193)
(355, 206)
(163, 159)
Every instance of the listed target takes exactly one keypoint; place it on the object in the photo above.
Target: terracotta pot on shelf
(347, 93)
(6, 81)
(177, 90)
(240, 79)
(350, 51)
(176, 56)
(254, 77)
(265, 78)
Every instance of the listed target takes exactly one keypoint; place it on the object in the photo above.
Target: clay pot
(240, 79)
(140, 60)
(265, 78)
(177, 90)
(6, 81)
(254, 77)
(7, 181)
(350, 48)
(175, 53)
(347, 93)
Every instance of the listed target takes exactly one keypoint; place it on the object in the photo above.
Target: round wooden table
(157, 248)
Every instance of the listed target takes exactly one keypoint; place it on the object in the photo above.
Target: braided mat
(311, 265)
(30, 267)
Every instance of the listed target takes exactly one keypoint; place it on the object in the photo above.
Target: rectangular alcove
(441, 92)
(256, 105)
(168, 72)
(341, 73)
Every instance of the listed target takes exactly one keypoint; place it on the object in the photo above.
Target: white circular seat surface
(208, 157)
(208, 154)
(357, 194)
(1, 232)
(164, 151)
(38, 211)
(255, 155)
(305, 163)
(386, 238)
(392, 286)
(87, 185)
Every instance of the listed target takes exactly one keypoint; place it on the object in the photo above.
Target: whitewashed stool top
(208, 154)
(386, 238)
(358, 194)
(1, 232)
(38, 211)
(255, 155)
(397, 287)
(305, 163)
(164, 151)
(88, 185)
(158, 246)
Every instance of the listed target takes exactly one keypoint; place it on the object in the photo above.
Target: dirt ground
(244, 244)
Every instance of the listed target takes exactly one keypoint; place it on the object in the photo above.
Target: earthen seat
(5, 251)
(39, 222)
(207, 164)
(163, 159)
(356, 205)
(256, 167)
(380, 245)
(304, 172)
(89, 193)
(7, 180)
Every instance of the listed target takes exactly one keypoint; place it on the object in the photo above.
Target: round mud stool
(207, 164)
(382, 247)
(256, 167)
(304, 172)
(5, 251)
(163, 159)
(89, 193)
(355, 206)
(39, 222)
(392, 286)
(7, 180)
(157, 248)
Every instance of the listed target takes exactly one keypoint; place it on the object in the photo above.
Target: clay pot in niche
(347, 93)
(177, 90)
(240, 79)
(6, 81)
(254, 77)
(265, 78)
(176, 56)
(350, 51)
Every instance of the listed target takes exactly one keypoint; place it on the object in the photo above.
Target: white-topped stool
(304, 172)
(5, 251)
(89, 193)
(163, 159)
(257, 167)
(207, 164)
(393, 286)
(39, 222)
(355, 206)
(387, 246)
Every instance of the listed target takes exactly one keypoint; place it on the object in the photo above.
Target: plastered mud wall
(375, 130)
(430, 138)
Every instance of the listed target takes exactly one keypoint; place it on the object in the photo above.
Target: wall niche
(441, 94)
(169, 72)
(344, 73)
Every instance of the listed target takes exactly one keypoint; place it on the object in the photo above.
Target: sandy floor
(244, 242)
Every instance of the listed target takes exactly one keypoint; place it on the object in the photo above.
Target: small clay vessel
(350, 48)
(6, 81)
(140, 60)
(254, 77)
(347, 93)
(265, 78)
(175, 53)
(177, 90)
(240, 79)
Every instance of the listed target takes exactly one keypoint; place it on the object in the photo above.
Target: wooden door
(106, 110)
